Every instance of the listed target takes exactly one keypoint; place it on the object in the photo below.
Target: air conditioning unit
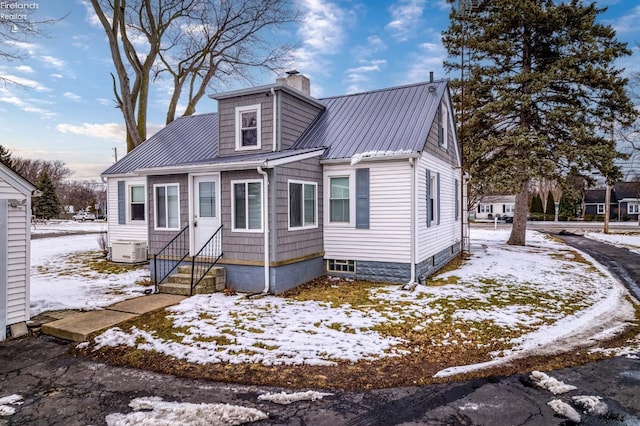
(129, 251)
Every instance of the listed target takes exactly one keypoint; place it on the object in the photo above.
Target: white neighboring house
(15, 250)
(492, 206)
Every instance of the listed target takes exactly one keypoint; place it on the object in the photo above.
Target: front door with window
(206, 202)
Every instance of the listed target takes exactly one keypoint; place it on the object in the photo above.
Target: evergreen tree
(539, 86)
(550, 208)
(536, 211)
(5, 157)
(46, 205)
(568, 208)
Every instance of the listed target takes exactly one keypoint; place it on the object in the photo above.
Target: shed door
(206, 208)
(3, 269)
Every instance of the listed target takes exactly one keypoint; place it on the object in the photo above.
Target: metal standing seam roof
(185, 140)
(394, 119)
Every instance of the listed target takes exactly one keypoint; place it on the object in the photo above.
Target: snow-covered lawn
(507, 301)
(66, 226)
(61, 278)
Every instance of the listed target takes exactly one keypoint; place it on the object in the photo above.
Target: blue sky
(65, 110)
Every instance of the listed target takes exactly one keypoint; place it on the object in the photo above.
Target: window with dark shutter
(122, 203)
(429, 200)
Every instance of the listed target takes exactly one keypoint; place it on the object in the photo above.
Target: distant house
(15, 243)
(624, 202)
(495, 206)
(279, 188)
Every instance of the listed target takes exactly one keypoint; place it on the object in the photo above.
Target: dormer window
(248, 127)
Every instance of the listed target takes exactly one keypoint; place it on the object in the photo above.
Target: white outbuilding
(15, 251)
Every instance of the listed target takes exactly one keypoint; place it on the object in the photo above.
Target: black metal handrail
(173, 253)
(206, 258)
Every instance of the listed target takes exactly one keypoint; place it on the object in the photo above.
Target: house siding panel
(303, 242)
(388, 238)
(8, 191)
(129, 231)
(238, 246)
(159, 238)
(439, 236)
(295, 116)
(227, 122)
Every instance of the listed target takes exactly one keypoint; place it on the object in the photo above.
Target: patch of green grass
(265, 346)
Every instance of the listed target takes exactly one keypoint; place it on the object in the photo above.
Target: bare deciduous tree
(196, 43)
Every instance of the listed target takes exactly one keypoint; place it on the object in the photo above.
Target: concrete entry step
(80, 326)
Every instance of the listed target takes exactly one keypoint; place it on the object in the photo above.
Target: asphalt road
(62, 390)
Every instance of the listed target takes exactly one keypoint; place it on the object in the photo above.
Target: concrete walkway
(79, 326)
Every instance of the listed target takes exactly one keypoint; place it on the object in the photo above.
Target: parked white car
(82, 216)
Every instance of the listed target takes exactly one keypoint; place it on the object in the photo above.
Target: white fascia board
(18, 182)
(294, 158)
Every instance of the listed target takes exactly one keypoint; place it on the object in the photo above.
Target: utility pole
(607, 197)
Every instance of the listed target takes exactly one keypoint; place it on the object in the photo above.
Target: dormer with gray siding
(247, 123)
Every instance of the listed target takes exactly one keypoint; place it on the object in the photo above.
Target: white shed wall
(388, 238)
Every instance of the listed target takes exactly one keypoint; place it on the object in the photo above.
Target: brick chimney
(297, 81)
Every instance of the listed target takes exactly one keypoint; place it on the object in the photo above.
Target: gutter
(265, 223)
(274, 133)
(368, 159)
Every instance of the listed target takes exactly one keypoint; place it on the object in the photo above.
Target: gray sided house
(15, 250)
(279, 188)
(624, 202)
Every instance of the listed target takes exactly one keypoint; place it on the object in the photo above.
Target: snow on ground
(7, 404)
(591, 404)
(59, 281)
(549, 383)
(630, 241)
(565, 410)
(153, 411)
(289, 398)
(67, 226)
(545, 294)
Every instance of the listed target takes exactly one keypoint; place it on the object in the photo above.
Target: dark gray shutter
(504, 208)
(429, 206)
(456, 202)
(438, 196)
(491, 208)
(122, 203)
(362, 198)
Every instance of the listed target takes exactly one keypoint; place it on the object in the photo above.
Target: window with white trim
(136, 203)
(509, 208)
(633, 209)
(334, 265)
(167, 206)
(246, 205)
(600, 209)
(484, 208)
(445, 126)
(433, 197)
(248, 127)
(302, 204)
(339, 199)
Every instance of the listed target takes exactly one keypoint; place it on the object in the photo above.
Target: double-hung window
(633, 209)
(600, 209)
(136, 202)
(167, 206)
(247, 205)
(339, 199)
(302, 204)
(248, 127)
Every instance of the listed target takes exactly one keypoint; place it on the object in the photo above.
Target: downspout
(274, 139)
(265, 222)
(412, 283)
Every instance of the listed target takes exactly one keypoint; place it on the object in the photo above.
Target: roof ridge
(404, 86)
(197, 115)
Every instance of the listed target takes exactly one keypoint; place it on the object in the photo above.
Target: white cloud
(111, 131)
(72, 96)
(25, 82)
(628, 22)
(359, 78)
(322, 34)
(25, 69)
(59, 76)
(405, 17)
(52, 61)
(105, 102)
(430, 57)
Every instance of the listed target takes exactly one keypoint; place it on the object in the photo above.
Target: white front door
(206, 209)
